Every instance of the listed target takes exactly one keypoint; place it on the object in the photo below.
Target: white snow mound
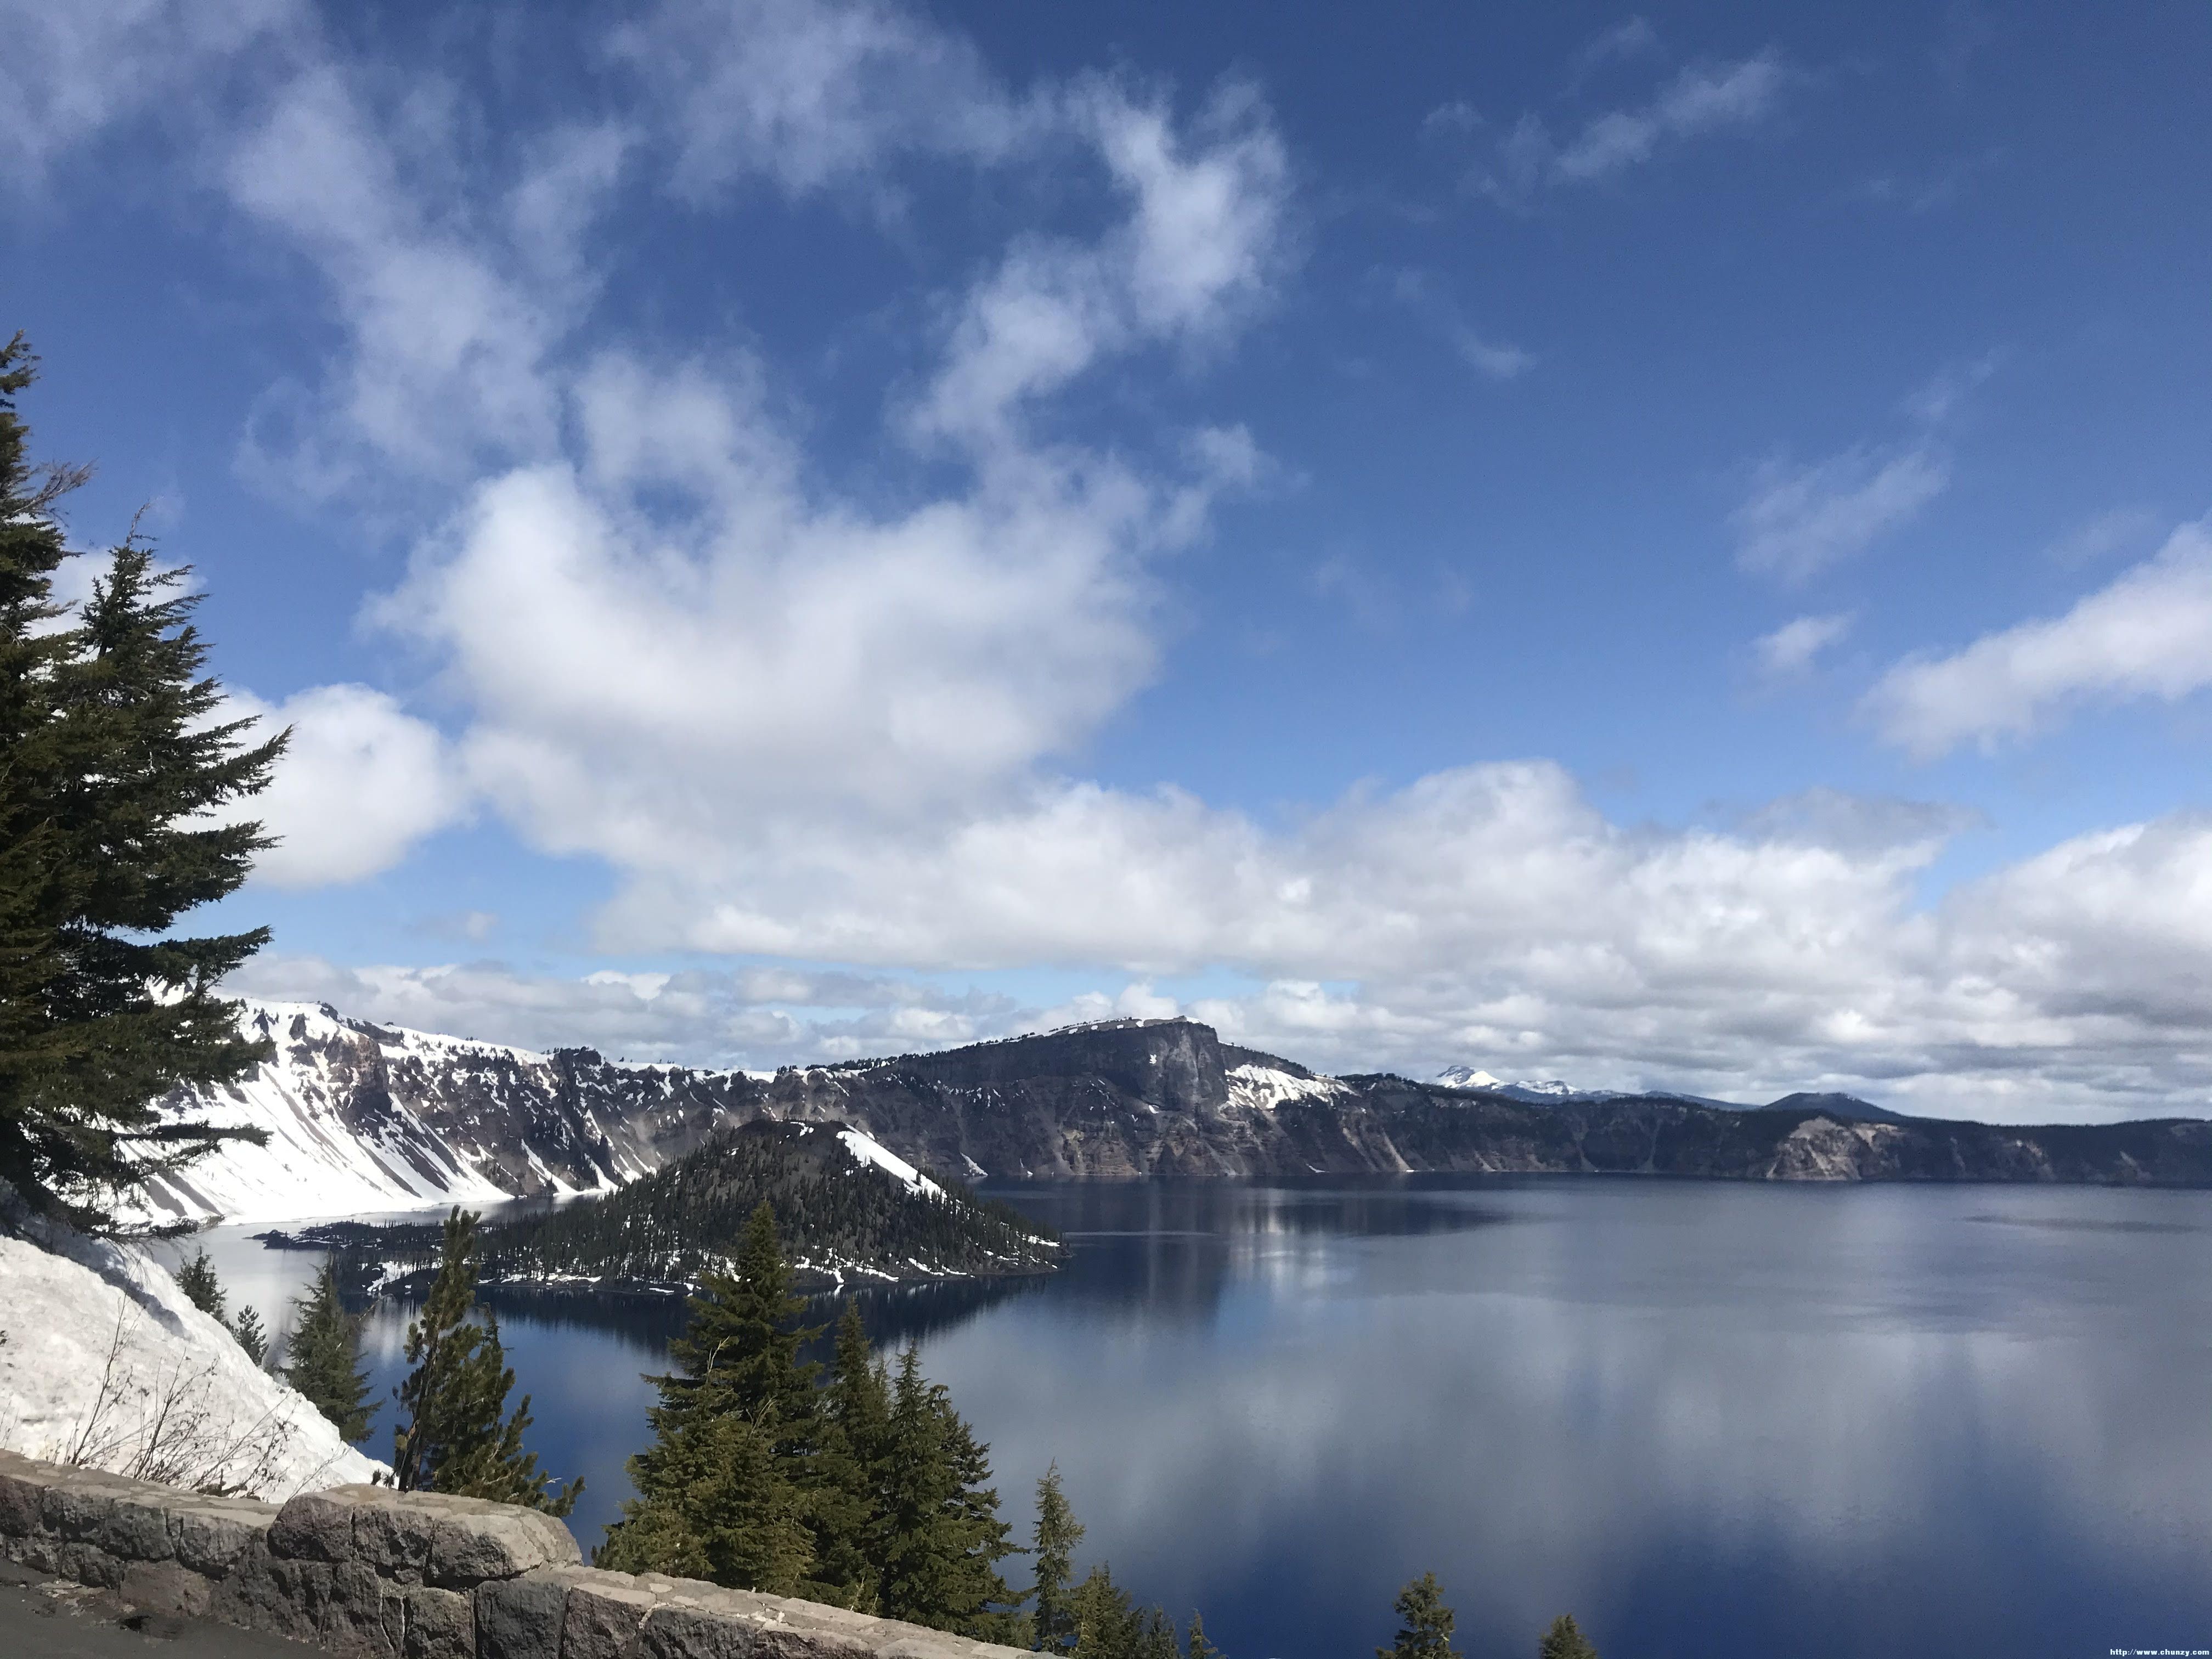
(106, 1364)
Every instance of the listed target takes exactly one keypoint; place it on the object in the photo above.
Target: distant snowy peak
(1550, 1093)
(1467, 1077)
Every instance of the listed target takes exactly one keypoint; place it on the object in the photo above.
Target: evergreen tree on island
(1425, 1623)
(1565, 1641)
(323, 1358)
(114, 766)
(456, 1437)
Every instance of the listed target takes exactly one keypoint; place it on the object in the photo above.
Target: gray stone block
(166, 1586)
(520, 1618)
(208, 1533)
(441, 1625)
(701, 1622)
(88, 1563)
(362, 1616)
(391, 1532)
(22, 1496)
(605, 1614)
(316, 1526)
(264, 1591)
(76, 1507)
(137, 1529)
(498, 1541)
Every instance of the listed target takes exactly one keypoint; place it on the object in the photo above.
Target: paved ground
(42, 1617)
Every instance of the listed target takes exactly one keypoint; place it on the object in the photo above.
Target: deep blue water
(1708, 1420)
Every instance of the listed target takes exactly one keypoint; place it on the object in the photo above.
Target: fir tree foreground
(856, 1484)
(456, 1436)
(323, 1358)
(114, 771)
(1425, 1630)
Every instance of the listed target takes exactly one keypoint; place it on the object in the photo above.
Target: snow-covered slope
(1255, 1088)
(361, 1118)
(1467, 1077)
(870, 1152)
(106, 1364)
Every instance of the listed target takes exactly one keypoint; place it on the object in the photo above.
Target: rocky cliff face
(363, 1118)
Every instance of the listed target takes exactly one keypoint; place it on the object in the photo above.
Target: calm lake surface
(1707, 1419)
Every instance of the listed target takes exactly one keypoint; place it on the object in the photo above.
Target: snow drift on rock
(106, 1364)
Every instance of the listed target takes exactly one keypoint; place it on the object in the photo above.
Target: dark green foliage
(111, 767)
(455, 1437)
(323, 1358)
(942, 1537)
(764, 1474)
(686, 1219)
(1425, 1623)
(197, 1280)
(1565, 1641)
(1057, 1534)
(1108, 1626)
(247, 1327)
(1199, 1648)
(852, 1428)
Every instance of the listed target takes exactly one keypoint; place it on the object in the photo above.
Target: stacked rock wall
(365, 1571)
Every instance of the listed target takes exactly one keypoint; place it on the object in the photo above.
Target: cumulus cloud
(1791, 648)
(1798, 520)
(2148, 634)
(361, 781)
(810, 724)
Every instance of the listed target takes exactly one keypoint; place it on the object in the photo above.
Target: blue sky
(1660, 548)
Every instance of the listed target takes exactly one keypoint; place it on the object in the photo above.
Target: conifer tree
(196, 1279)
(1199, 1648)
(852, 1419)
(1565, 1641)
(942, 1537)
(454, 1437)
(323, 1358)
(1425, 1630)
(1107, 1624)
(112, 768)
(247, 1327)
(724, 1490)
(1058, 1533)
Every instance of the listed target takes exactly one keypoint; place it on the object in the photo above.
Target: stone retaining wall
(367, 1570)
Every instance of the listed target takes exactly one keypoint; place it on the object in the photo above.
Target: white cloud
(71, 71)
(1798, 520)
(360, 783)
(1702, 99)
(2102, 536)
(1424, 295)
(812, 93)
(2147, 635)
(1790, 649)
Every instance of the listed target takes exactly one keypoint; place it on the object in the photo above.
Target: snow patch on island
(873, 1151)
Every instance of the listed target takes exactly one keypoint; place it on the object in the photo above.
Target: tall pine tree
(323, 1358)
(456, 1437)
(1425, 1630)
(113, 771)
(1058, 1533)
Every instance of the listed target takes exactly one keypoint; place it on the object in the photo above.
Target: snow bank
(104, 1362)
(870, 1150)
